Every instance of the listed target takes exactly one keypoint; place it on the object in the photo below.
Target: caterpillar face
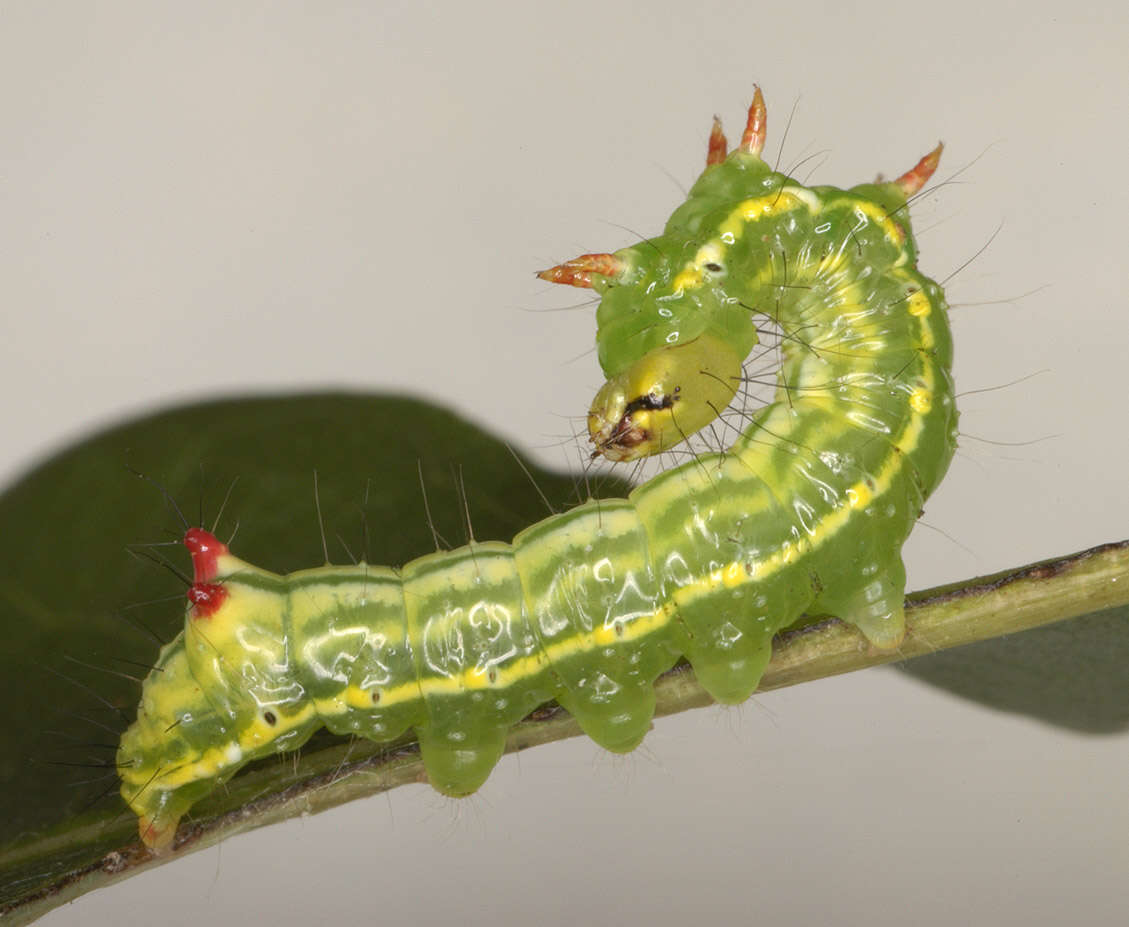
(806, 512)
(663, 398)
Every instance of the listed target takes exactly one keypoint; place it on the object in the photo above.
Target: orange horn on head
(918, 175)
(578, 271)
(718, 146)
(756, 127)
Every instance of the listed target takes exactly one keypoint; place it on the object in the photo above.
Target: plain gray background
(213, 198)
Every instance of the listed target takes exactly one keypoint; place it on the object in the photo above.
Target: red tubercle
(206, 598)
(206, 549)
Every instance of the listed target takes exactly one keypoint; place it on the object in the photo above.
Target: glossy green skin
(807, 512)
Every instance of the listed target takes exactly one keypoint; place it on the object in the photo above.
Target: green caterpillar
(806, 512)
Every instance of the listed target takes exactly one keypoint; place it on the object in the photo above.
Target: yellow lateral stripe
(216, 759)
(729, 575)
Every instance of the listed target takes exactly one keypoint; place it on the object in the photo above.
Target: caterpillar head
(673, 333)
(667, 395)
(670, 372)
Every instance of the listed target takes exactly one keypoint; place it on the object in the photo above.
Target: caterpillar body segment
(806, 512)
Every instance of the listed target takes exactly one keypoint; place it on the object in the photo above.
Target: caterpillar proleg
(806, 512)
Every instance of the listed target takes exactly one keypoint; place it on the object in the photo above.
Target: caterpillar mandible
(805, 513)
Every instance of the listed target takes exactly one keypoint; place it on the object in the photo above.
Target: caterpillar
(806, 513)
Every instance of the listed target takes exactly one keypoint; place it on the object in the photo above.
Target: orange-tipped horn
(753, 139)
(578, 271)
(718, 146)
(918, 176)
